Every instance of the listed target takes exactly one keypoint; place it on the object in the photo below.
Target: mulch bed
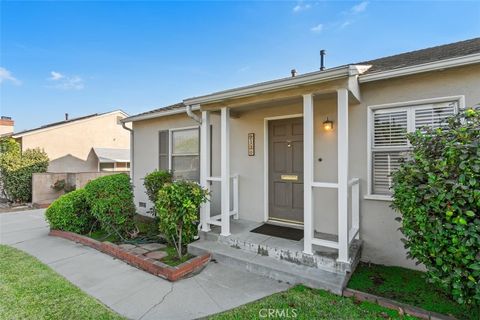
(143, 256)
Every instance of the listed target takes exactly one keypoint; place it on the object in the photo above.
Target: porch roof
(342, 72)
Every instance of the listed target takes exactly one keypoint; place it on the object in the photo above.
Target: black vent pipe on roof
(322, 60)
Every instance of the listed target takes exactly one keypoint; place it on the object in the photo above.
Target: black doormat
(279, 231)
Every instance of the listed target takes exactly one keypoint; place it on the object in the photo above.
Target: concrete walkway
(127, 290)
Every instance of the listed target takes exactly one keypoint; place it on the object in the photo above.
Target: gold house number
(251, 144)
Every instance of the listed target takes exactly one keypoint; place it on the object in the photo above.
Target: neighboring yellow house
(92, 143)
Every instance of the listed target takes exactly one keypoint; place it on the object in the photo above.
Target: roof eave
(157, 114)
(37, 130)
(285, 83)
(420, 68)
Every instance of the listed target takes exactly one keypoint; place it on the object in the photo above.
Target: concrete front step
(271, 267)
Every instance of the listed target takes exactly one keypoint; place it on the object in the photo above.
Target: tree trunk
(179, 249)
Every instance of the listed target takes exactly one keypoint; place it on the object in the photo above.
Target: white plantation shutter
(389, 142)
(389, 137)
(390, 129)
(434, 115)
(384, 164)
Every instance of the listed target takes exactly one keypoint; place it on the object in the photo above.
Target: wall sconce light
(328, 125)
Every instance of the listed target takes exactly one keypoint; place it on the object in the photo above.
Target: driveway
(127, 290)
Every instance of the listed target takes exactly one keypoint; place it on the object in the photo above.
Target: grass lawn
(407, 286)
(31, 290)
(309, 304)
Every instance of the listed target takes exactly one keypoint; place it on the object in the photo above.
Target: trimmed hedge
(154, 181)
(111, 202)
(71, 213)
(437, 191)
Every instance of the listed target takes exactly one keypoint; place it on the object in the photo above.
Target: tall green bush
(154, 181)
(111, 201)
(177, 208)
(71, 212)
(437, 192)
(16, 169)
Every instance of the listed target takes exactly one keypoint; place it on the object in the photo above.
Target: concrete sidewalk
(127, 290)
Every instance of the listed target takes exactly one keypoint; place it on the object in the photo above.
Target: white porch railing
(217, 219)
(353, 233)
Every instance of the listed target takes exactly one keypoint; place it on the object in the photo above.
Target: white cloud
(301, 7)
(362, 6)
(56, 75)
(317, 29)
(345, 24)
(64, 82)
(243, 69)
(6, 75)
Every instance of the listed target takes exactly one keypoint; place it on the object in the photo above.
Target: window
(179, 151)
(107, 166)
(389, 143)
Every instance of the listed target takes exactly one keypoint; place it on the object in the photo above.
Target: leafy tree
(16, 169)
(177, 208)
(437, 191)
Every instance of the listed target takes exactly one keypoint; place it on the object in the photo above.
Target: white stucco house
(311, 152)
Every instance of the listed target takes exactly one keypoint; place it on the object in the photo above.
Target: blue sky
(87, 57)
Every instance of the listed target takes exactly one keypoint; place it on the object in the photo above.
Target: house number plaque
(251, 144)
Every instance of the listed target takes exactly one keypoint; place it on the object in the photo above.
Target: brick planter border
(394, 305)
(152, 266)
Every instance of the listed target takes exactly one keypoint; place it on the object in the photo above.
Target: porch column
(308, 141)
(205, 167)
(225, 170)
(342, 135)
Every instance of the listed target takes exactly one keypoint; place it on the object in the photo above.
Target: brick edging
(152, 266)
(394, 305)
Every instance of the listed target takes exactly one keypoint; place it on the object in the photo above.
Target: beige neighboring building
(6, 126)
(92, 143)
(312, 152)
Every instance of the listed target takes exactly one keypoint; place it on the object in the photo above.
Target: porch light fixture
(328, 125)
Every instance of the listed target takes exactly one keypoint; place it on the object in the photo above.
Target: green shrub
(16, 169)
(437, 191)
(71, 213)
(154, 181)
(111, 202)
(177, 208)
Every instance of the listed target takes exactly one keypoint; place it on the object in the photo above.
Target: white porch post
(342, 114)
(205, 167)
(225, 170)
(308, 136)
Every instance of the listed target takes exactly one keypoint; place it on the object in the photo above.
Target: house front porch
(297, 174)
(278, 258)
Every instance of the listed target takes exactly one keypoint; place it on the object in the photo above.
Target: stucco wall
(378, 228)
(70, 147)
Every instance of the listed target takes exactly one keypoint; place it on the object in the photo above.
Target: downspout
(192, 115)
(131, 148)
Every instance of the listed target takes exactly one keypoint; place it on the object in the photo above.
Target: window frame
(405, 105)
(170, 144)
